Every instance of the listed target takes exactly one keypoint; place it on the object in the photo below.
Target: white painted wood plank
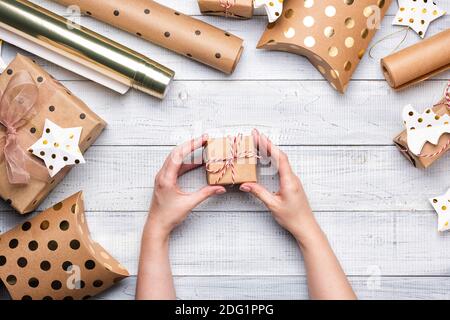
(255, 64)
(335, 178)
(290, 112)
(251, 243)
(291, 287)
(277, 288)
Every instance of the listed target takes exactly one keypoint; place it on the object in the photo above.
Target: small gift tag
(58, 147)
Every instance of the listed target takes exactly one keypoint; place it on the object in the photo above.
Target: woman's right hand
(289, 206)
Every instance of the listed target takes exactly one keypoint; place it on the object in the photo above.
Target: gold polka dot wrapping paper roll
(81, 50)
(168, 28)
(332, 34)
(418, 62)
(52, 257)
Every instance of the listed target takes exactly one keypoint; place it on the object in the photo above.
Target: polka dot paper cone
(52, 257)
(167, 28)
(332, 34)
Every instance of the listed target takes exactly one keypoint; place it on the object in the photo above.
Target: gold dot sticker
(349, 23)
(330, 11)
(289, 33)
(368, 11)
(308, 21)
(308, 3)
(333, 51)
(347, 66)
(309, 42)
(289, 13)
(364, 33)
(444, 208)
(349, 42)
(328, 32)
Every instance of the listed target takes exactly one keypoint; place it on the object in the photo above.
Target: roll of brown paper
(418, 62)
(167, 28)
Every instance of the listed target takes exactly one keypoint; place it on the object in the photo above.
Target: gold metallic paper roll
(38, 30)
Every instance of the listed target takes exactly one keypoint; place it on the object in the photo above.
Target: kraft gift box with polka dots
(60, 106)
(52, 257)
(332, 34)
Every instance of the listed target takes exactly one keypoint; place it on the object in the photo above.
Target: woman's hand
(289, 206)
(170, 205)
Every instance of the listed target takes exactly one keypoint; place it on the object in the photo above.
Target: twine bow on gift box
(227, 4)
(229, 161)
(17, 107)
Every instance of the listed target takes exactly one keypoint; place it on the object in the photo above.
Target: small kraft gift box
(240, 9)
(427, 135)
(29, 98)
(231, 160)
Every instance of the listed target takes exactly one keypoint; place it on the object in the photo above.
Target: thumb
(258, 191)
(205, 193)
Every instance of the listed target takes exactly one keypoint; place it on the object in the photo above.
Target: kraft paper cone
(418, 62)
(52, 257)
(63, 108)
(167, 28)
(440, 149)
(240, 9)
(81, 50)
(332, 34)
(243, 162)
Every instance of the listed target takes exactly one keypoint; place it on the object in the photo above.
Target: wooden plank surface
(369, 200)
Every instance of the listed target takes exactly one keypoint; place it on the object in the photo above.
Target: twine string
(230, 160)
(227, 4)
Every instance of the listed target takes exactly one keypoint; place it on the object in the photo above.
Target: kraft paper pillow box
(52, 257)
(64, 109)
(401, 141)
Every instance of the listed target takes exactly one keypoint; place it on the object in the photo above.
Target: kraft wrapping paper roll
(332, 34)
(167, 28)
(418, 62)
(81, 50)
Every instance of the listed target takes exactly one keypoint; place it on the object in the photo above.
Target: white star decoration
(273, 8)
(58, 147)
(442, 206)
(417, 14)
(423, 127)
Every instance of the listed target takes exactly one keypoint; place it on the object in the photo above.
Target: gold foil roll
(84, 47)
(418, 62)
(167, 28)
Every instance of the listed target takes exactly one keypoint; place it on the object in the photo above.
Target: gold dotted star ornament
(58, 147)
(417, 14)
(442, 206)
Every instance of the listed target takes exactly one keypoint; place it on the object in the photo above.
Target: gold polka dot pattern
(168, 28)
(52, 256)
(332, 34)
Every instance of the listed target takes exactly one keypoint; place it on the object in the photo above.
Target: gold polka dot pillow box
(52, 257)
(30, 100)
(332, 34)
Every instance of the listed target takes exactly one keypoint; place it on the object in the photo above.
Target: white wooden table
(370, 201)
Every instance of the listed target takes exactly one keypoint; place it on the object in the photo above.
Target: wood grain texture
(369, 200)
(252, 244)
(337, 178)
